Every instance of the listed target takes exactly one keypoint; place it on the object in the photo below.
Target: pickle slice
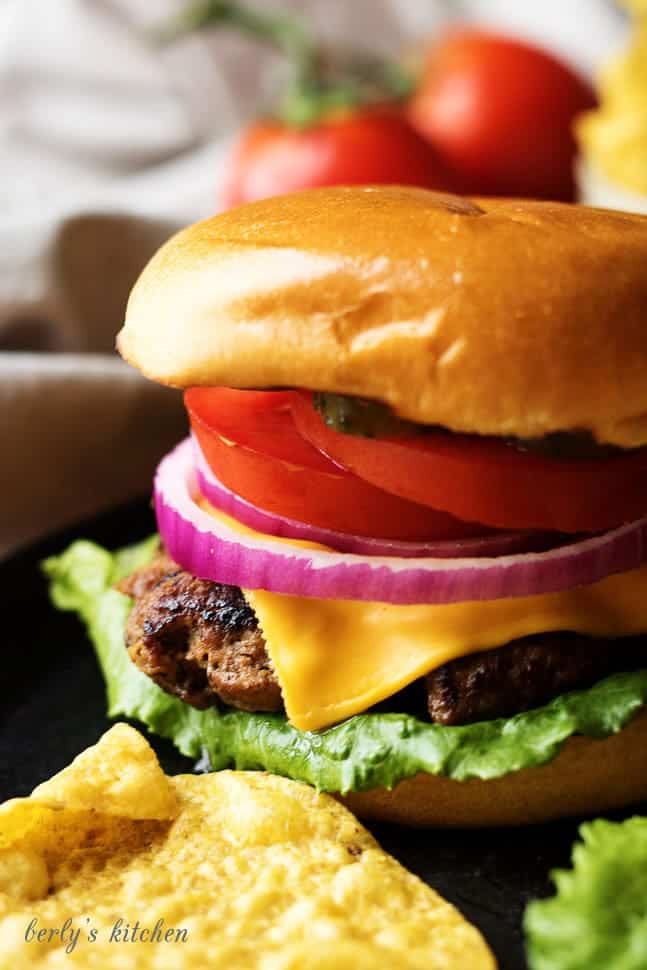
(372, 419)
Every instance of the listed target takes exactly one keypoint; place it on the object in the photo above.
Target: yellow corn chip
(235, 870)
(118, 776)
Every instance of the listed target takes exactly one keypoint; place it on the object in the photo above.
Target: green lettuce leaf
(364, 752)
(598, 919)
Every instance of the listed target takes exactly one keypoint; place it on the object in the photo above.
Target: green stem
(314, 90)
(281, 31)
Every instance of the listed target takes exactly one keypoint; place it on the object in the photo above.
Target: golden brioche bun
(587, 777)
(500, 317)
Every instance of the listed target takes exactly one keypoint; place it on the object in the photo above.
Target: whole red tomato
(500, 112)
(369, 145)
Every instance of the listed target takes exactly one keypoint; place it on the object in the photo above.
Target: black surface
(52, 706)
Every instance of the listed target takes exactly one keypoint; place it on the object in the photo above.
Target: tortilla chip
(119, 775)
(251, 871)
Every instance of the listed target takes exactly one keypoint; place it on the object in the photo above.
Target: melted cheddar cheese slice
(336, 658)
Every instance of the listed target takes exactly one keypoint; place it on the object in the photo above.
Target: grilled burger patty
(200, 641)
(523, 674)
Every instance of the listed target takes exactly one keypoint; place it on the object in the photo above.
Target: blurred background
(121, 120)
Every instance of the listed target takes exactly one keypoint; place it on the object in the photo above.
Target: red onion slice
(270, 523)
(210, 549)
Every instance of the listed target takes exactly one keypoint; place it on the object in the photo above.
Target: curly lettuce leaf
(598, 919)
(364, 752)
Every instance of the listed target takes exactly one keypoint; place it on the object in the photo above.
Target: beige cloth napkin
(79, 428)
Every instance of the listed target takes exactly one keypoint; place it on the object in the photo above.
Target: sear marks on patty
(199, 640)
(523, 674)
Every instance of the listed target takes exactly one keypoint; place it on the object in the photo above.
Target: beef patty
(201, 641)
(198, 640)
(522, 674)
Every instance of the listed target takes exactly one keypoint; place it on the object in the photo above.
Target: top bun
(499, 317)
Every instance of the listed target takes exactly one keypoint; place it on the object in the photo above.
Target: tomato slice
(481, 479)
(251, 443)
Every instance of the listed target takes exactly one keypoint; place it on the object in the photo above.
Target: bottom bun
(588, 776)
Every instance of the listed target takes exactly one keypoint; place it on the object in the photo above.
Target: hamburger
(401, 555)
